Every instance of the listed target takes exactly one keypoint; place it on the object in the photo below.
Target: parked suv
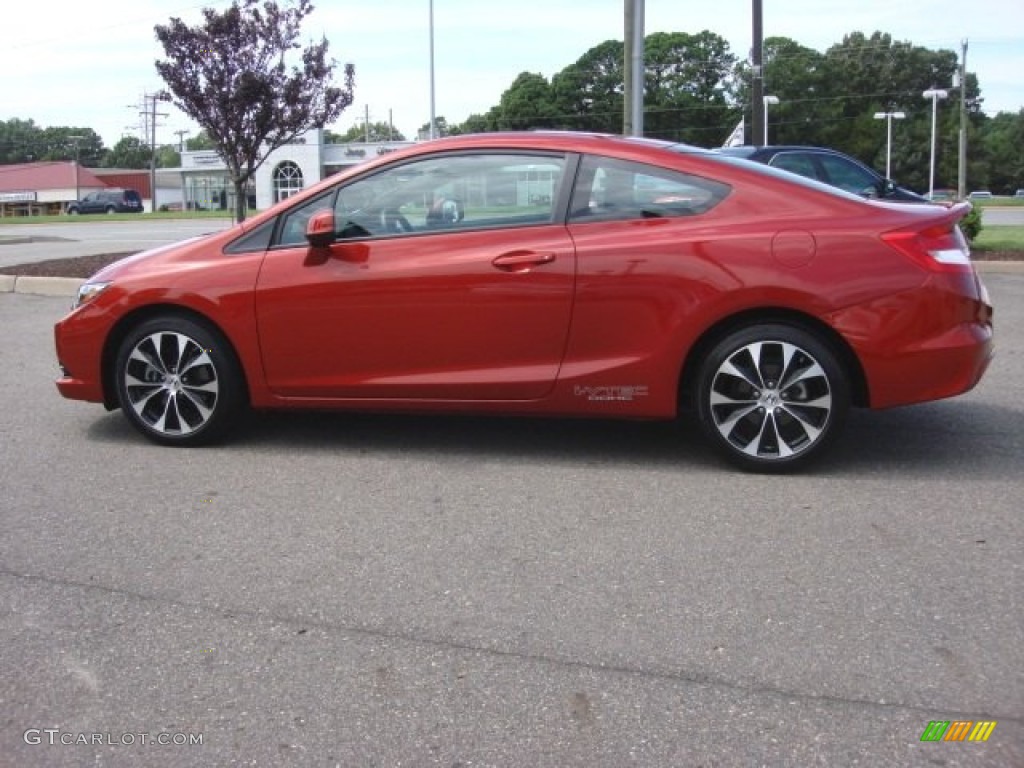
(830, 167)
(108, 201)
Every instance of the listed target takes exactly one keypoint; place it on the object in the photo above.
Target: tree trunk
(240, 199)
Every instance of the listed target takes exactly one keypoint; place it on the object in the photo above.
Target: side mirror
(320, 229)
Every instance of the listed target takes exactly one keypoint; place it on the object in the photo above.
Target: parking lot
(401, 590)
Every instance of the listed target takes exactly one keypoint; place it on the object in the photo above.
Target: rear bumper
(944, 366)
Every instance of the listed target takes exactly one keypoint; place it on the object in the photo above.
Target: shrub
(971, 224)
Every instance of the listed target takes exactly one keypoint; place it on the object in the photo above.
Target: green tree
(527, 103)
(1004, 148)
(230, 74)
(200, 142)
(441, 124)
(67, 143)
(477, 123)
(588, 95)
(129, 152)
(688, 86)
(19, 141)
(379, 131)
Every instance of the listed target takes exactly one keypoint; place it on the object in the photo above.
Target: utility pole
(433, 116)
(153, 98)
(147, 110)
(627, 68)
(181, 138)
(633, 68)
(637, 56)
(757, 84)
(961, 173)
(78, 191)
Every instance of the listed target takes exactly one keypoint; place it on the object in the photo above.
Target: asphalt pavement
(332, 589)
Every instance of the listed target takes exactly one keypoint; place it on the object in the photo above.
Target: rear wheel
(178, 381)
(111, 209)
(772, 397)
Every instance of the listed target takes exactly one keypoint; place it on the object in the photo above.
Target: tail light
(937, 247)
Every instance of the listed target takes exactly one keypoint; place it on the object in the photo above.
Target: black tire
(189, 408)
(72, 211)
(111, 209)
(772, 397)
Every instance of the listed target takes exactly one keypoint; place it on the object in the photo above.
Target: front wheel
(178, 382)
(772, 397)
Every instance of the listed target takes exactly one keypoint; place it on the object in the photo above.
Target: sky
(89, 64)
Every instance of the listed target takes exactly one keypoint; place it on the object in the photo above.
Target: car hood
(172, 252)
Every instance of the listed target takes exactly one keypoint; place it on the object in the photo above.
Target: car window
(842, 173)
(795, 162)
(469, 191)
(293, 223)
(611, 189)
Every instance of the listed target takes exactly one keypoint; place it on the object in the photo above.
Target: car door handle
(522, 261)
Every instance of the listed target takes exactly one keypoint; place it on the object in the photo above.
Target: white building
(288, 169)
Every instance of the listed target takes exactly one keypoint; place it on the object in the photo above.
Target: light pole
(934, 94)
(888, 117)
(772, 100)
(78, 192)
(433, 119)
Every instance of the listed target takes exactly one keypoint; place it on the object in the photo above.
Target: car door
(449, 278)
(90, 203)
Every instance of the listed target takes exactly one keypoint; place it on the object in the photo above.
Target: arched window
(287, 180)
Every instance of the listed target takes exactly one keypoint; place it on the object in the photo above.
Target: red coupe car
(545, 273)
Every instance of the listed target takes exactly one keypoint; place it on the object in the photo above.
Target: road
(1009, 216)
(395, 590)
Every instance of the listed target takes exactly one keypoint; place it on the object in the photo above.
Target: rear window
(611, 189)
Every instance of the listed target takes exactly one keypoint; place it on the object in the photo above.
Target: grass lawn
(1000, 239)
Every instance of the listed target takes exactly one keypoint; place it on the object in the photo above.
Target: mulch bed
(86, 266)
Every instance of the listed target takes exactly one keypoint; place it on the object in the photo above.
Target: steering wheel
(395, 223)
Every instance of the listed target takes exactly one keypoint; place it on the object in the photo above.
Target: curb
(68, 286)
(40, 286)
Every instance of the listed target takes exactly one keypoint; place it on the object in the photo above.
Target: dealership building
(204, 180)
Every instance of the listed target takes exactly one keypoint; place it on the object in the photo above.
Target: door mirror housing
(320, 229)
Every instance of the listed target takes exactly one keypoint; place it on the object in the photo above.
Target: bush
(971, 224)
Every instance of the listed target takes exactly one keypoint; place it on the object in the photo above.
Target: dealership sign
(17, 197)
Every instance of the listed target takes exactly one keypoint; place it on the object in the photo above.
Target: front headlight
(89, 291)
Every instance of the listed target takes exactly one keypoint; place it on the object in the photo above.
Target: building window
(287, 180)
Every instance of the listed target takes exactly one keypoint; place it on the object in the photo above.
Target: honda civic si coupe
(557, 274)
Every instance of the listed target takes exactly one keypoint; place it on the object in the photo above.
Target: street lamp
(888, 117)
(773, 100)
(433, 119)
(934, 94)
(76, 139)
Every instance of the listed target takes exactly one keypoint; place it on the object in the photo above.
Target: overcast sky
(87, 64)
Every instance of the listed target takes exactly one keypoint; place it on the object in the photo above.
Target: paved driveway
(25, 243)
